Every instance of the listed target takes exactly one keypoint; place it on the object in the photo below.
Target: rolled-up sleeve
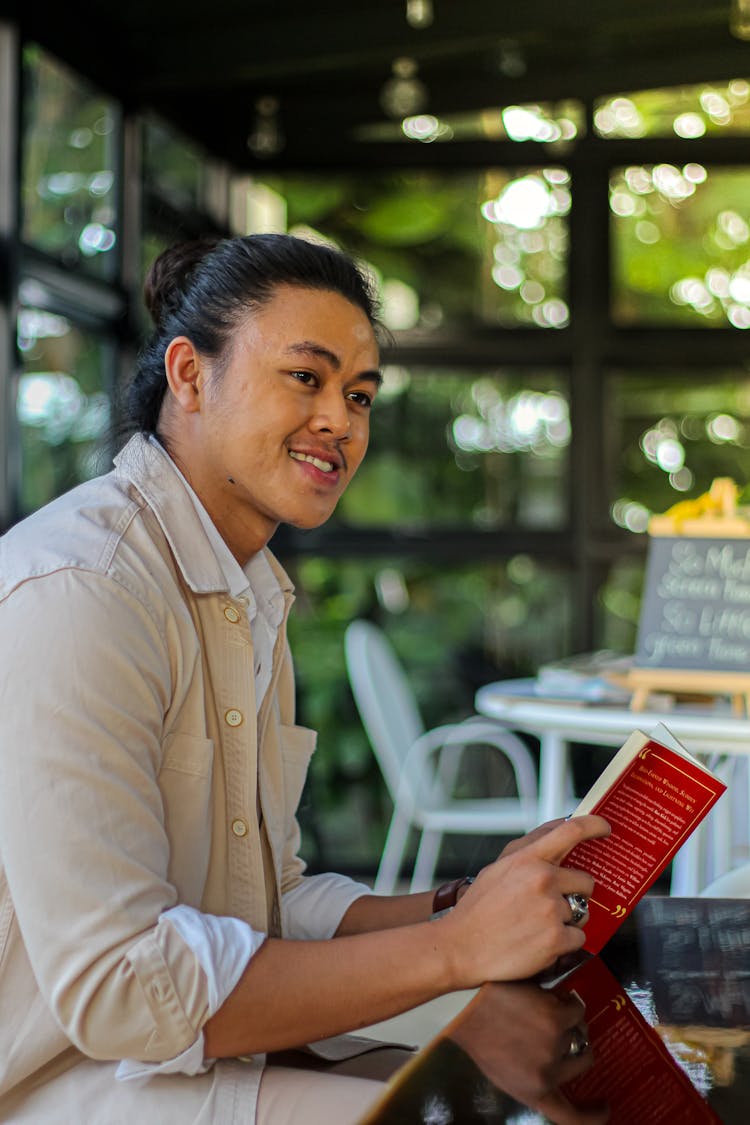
(84, 693)
(224, 947)
(312, 911)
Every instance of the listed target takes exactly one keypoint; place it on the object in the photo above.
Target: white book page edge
(662, 734)
(623, 757)
(610, 773)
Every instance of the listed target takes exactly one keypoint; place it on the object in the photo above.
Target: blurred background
(554, 201)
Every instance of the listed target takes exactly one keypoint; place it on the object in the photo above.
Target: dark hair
(202, 289)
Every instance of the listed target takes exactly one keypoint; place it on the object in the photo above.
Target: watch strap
(446, 896)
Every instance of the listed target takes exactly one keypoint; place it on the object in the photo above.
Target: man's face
(279, 435)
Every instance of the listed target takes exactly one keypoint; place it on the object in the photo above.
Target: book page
(609, 775)
(662, 734)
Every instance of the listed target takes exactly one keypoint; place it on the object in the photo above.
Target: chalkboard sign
(695, 612)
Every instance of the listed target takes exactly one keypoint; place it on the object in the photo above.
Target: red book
(654, 794)
(633, 1071)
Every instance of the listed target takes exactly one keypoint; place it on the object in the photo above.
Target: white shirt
(311, 911)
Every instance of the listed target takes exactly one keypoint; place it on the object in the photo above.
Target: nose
(332, 416)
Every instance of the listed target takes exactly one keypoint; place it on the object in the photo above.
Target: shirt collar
(255, 580)
(204, 558)
(235, 577)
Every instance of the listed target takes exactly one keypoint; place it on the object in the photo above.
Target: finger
(560, 1111)
(571, 939)
(556, 844)
(542, 830)
(566, 1010)
(572, 1010)
(531, 837)
(571, 1068)
(571, 881)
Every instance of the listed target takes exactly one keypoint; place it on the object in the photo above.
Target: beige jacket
(132, 774)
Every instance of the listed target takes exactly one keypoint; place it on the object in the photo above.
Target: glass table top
(665, 1010)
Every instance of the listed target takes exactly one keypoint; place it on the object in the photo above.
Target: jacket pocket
(185, 784)
(297, 747)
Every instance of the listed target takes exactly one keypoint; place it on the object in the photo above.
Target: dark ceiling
(205, 66)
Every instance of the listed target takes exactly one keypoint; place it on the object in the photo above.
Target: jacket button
(233, 717)
(231, 614)
(239, 827)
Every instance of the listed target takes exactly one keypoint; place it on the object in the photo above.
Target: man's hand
(514, 920)
(519, 1036)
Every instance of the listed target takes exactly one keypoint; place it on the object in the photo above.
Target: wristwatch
(446, 896)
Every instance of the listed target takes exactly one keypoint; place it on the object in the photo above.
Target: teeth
(324, 466)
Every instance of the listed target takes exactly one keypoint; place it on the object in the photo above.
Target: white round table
(710, 732)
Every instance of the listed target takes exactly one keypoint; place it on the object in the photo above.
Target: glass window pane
(455, 628)
(68, 203)
(62, 404)
(447, 250)
(185, 193)
(681, 245)
(455, 448)
(671, 435)
(684, 111)
(173, 167)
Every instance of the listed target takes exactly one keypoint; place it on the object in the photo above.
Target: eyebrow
(308, 347)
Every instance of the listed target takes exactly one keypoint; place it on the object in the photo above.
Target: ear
(185, 375)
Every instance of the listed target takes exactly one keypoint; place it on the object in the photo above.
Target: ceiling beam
(253, 48)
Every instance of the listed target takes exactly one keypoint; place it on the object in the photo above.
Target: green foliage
(699, 233)
(422, 228)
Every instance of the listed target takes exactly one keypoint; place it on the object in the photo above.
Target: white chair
(420, 767)
(732, 884)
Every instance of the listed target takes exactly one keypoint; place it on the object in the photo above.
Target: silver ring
(579, 1042)
(579, 908)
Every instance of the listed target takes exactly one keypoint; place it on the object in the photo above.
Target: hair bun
(167, 279)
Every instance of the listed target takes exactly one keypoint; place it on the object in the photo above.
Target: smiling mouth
(324, 466)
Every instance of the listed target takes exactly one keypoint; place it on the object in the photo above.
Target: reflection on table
(666, 1011)
(710, 732)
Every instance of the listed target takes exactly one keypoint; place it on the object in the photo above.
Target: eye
(306, 377)
(361, 398)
